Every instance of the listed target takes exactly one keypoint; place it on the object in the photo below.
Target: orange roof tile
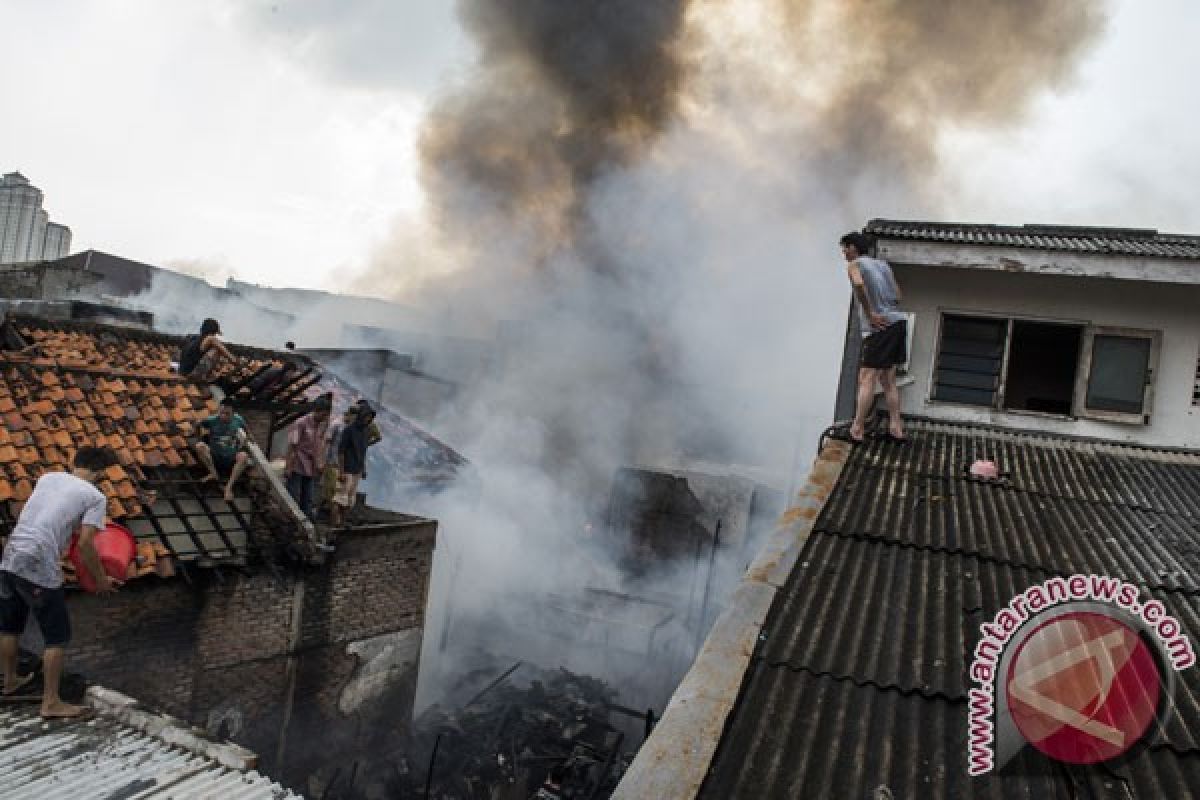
(95, 384)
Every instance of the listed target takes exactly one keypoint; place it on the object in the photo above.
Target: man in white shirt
(31, 575)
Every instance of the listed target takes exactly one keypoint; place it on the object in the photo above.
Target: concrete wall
(931, 291)
(311, 670)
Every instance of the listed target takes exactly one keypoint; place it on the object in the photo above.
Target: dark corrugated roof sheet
(1113, 241)
(859, 680)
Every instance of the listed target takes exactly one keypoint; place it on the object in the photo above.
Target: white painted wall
(1172, 309)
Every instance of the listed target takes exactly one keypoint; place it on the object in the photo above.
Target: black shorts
(49, 606)
(886, 348)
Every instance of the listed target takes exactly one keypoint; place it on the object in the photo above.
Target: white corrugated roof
(103, 758)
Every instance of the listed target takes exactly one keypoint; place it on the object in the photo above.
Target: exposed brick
(220, 652)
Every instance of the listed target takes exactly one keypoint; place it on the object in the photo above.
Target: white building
(26, 233)
(1090, 332)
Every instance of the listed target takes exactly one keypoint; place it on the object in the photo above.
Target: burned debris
(528, 733)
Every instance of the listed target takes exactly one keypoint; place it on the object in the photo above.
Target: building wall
(305, 669)
(929, 291)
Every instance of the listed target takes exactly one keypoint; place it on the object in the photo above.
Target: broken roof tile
(101, 385)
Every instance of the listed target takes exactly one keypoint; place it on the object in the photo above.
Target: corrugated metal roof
(103, 759)
(1115, 241)
(859, 678)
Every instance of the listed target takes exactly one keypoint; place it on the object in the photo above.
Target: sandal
(842, 434)
(85, 713)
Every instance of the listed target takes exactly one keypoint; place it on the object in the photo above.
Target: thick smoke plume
(565, 93)
(633, 206)
(653, 192)
(900, 72)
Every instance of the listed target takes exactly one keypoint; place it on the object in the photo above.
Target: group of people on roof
(327, 460)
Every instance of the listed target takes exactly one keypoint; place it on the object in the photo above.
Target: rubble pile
(506, 742)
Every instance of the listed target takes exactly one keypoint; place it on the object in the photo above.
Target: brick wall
(258, 428)
(233, 653)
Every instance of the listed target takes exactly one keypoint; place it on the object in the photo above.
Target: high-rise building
(26, 232)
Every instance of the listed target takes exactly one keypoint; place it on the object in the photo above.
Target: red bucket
(116, 546)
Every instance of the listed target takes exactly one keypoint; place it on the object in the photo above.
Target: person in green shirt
(220, 448)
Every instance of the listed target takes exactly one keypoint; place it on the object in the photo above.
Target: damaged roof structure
(415, 461)
(64, 384)
(261, 638)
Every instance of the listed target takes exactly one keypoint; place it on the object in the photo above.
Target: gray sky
(275, 140)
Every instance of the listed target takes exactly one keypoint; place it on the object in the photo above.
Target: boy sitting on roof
(220, 449)
(31, 575)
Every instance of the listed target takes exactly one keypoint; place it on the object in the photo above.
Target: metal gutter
(674, 761)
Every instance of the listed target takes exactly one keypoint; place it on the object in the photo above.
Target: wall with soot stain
(266, 661)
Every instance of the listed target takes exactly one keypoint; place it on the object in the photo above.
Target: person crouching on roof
(352, 461)
(221, 448)
(31, 575)
(202, 356)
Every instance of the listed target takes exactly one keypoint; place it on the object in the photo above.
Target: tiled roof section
(126, 351)
(88, 384)
(104, 758)
(860, 678)
(1098, 241)
(50, 411)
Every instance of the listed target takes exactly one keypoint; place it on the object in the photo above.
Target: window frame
(937, 355)
(1079, 405)
(1082, 372)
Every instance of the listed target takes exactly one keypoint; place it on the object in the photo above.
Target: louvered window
(970, 359)
(1046, 366)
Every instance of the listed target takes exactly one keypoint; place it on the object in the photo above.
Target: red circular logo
(1083, 687)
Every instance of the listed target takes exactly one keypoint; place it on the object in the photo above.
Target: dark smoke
(913, 68)
(654, 191)
(565, 91)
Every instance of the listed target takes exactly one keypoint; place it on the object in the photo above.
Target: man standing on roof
(374, 436)
(352, 460)
(221, 448)
(885, 334)
(305, 453)
(31, 575)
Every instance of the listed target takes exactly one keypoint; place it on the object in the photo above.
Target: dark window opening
(1119, 374)
(1042, 362)
(969, 360)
